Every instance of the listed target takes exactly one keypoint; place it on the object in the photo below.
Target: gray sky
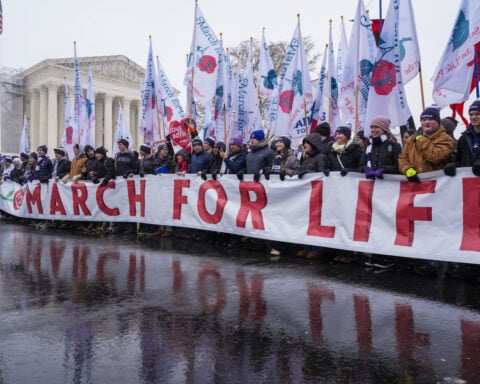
(37, 30)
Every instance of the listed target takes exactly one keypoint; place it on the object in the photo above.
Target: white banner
(438, 218)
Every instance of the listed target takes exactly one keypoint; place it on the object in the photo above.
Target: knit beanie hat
(145, 148)
(382, 122)
(475, 106)
(258, 135)
(323, 129)
(124, 142)
(285, 140)
(237, 140)
(345, 131)
(33, 155)
(59, 150)
(220, 144)
(431, 113)
(24, 155)
(210, 141)
(196, 141)
(449, 123)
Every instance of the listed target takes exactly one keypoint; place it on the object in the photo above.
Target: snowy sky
(37, 30)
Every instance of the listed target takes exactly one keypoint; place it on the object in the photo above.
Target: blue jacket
(200, 162)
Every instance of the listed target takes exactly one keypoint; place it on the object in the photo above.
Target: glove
(44, 180)
(142, 174)
(125, 175)
(411, 174)
(256, 177)
(266, 173)
(300, 175)
(344, 171)
(214, 176)
(418, 137)
(326, 172)
(203, 175)
(240, 175)
(476, 168)
(76, 178)
(95, 181)
(369, 173)
(104, 183)
(65, 179)
(450, 169)
(282, 175)
(379, 173)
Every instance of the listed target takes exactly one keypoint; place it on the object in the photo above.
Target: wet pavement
(110, 309)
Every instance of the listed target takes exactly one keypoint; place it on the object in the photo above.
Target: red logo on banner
(18, 199)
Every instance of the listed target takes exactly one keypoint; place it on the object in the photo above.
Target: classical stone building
(116, 79)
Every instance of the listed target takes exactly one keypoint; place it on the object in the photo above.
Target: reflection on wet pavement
(88, 310)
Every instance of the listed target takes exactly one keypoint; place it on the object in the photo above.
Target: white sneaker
(275, 252)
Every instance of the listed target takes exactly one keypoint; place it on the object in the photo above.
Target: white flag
(341, 53)
(90, 107)
(246, 102)
(409, 49)
(357, 69)
(202, 66)
(453, 75)
(319, 109)
(295, 92)
(80, 117)
(69, 134)
(267, 76)
(169, 106)
(332, 84)
(121, 130)
(387, 95)
(149, 128)
(24, 147)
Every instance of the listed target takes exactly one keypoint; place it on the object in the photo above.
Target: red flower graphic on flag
(207, 64)
(383, 77)
(286, 100)
(18, 199)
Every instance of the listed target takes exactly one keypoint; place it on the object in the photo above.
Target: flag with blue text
(202, 65)
(24, 146)
(387, 95)
(295, 92)
(90, 107)
(169, 106)
(409, 49)
(149, 127)
(362, 49)
(80, 117)
(68, 138)
(453, 75)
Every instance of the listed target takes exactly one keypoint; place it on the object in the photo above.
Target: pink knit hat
(382, 122)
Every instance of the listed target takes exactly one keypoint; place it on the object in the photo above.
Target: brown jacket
(426, 154)
(76, 166)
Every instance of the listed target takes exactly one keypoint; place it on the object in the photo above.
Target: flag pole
(475, 68)
(161, 122)
(420, 78)
(190, 107)
(303, 69)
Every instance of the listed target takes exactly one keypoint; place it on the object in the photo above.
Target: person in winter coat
(426, 152)
(62, 165)
(217, 163)
(201, 159)
(324, 130)
(181, 162)
(164, 159)
(344, 154)
(76, 164)
(468, 145)
(259, 158)
(105, 170)
(381, 155)
(125, 163)
(235, 159)
(90, 164)
(29, 169)
(148, 163)
(44, 167)
(7, 169)
(285, 163)
(313, 160)
(16, 172)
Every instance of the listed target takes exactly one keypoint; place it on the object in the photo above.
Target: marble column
(52, 139)
(43, 118)
(108, 123)
(99, 128)
(33, 123)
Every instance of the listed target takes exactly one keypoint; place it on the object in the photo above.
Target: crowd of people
(430, 148)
